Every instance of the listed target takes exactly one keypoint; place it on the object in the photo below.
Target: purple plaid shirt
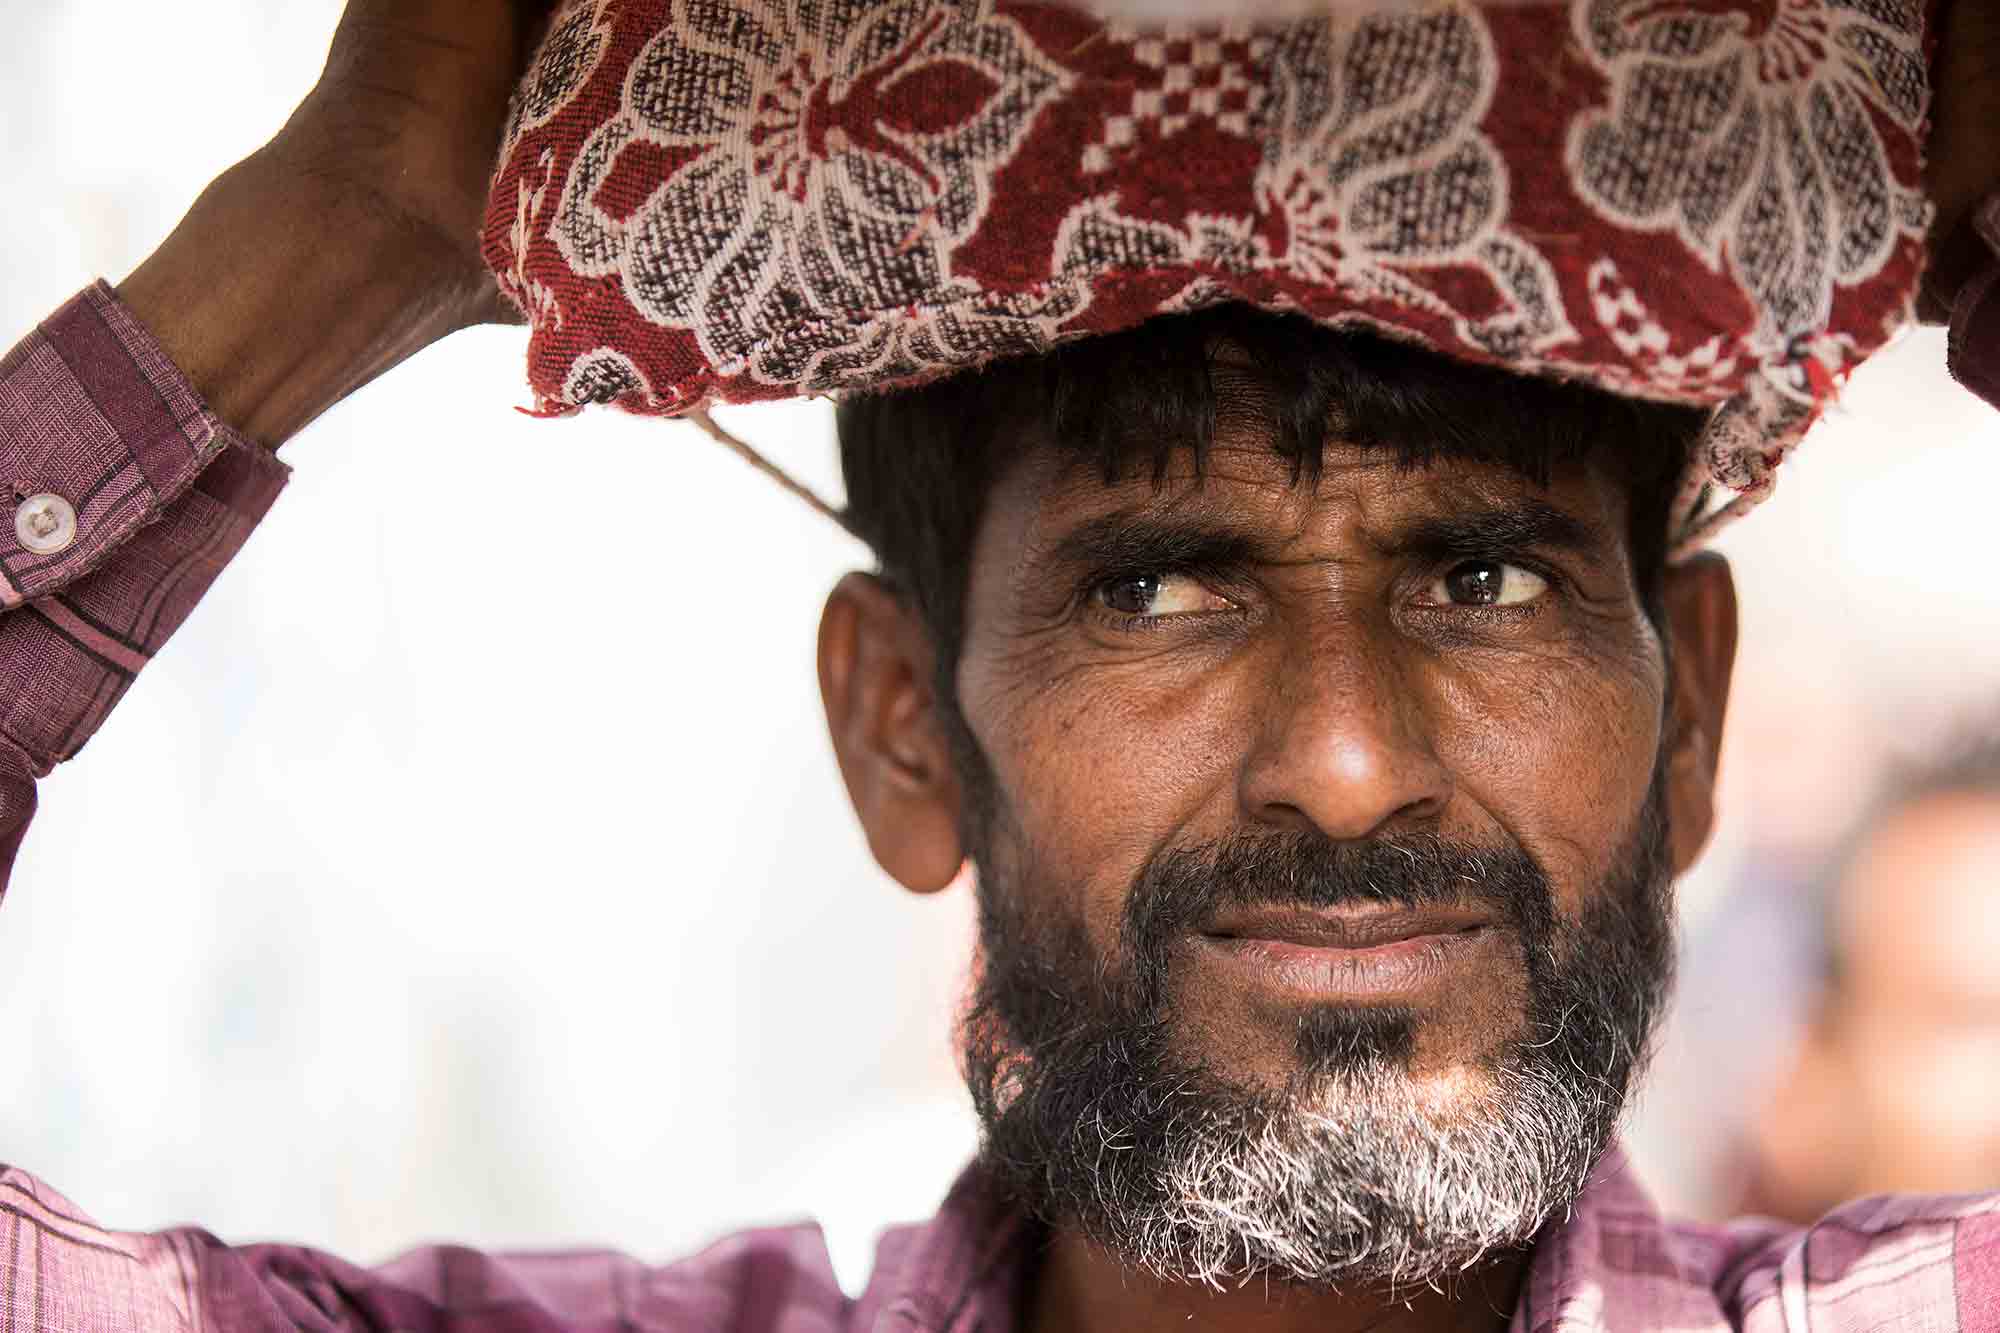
(92, 412)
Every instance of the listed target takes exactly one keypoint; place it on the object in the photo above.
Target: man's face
(1330, 810)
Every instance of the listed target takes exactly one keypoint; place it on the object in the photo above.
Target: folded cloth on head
(1699, 201)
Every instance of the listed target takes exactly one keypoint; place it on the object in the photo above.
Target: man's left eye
(1487, 583)
(1151, 596)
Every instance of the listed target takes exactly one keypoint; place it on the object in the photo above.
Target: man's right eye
(1153, 596)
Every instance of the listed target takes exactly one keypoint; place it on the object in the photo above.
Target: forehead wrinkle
(1079, 500)
(1253, 465)
(1382, 495)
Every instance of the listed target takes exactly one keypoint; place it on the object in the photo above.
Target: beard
(1095, 1117)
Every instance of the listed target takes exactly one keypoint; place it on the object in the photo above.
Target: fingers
(534, 18)
(496, 308)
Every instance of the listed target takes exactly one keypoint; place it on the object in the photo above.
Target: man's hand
(351, 240)
(1963, 155)
(406, 118)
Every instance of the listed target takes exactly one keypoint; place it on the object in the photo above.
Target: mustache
(1181, 890)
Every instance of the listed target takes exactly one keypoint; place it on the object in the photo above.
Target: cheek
(1559, 752)
(1101, 766)
(1103, 762)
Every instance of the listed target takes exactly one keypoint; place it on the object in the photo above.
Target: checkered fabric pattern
(1212, 78)
(90, 407)
(93, 412)
(1612, 1266)
(1715, 202)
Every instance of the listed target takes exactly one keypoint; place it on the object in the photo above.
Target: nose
(1343, 740)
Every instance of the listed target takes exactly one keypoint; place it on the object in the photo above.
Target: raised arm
(351, 240)
(136, 425)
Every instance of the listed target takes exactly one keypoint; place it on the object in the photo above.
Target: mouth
(1357, 955)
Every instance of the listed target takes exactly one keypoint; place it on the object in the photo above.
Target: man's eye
(1487, 583)
(1157, 595)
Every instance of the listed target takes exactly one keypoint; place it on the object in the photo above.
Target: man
(1901, 1049)
(1323, 718)
(1324, 797)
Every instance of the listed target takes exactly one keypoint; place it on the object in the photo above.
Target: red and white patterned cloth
(165, 495)
(1700, 201)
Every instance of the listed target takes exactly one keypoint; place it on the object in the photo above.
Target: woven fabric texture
(1702, 201)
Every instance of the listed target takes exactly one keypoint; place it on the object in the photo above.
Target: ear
(1701, 615)
(875, 672)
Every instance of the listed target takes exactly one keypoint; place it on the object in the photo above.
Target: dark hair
(918, 463)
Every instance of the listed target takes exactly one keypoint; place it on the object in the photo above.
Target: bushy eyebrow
(1129, 541)
(1133, 541)
(1495, 529)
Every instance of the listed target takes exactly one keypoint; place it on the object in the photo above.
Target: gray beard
(1354, 1181)
(1347, 1177)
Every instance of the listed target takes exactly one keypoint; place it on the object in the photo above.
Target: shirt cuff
(99, 433)
(139, 496)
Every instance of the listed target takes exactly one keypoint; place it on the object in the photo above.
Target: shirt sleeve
(122, 496)
(60, 1272)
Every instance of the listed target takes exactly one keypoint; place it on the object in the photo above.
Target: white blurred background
(411, 951)
(340, 933)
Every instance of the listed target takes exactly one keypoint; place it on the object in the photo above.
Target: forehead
(1360, 496)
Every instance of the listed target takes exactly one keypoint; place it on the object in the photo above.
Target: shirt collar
(1611, 1262)
(960, 1270)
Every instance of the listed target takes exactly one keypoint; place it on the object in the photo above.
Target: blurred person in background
(1325, 785)
(1800, 762)
(1895, 1083)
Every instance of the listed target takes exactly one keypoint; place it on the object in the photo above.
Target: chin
(1444, 1094)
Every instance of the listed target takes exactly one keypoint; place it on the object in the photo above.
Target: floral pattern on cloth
(1701, 201)
(1762, 148)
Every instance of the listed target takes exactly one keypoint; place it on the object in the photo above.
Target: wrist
(1964, 286)
(278, 296)
(1960, 169)
(1961, 251)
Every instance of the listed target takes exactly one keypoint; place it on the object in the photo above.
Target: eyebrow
(1513, 526)
(1118, 541)
(1121, 541)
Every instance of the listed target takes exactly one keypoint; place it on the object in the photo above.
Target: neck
(1081, 1288)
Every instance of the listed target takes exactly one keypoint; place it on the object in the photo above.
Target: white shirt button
(45, 523)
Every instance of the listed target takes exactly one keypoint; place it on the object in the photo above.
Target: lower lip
(1400, 969)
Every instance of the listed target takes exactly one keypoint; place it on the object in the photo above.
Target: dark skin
(350, 241)
(1327, 665)
(1320, 688)
(1963, 160)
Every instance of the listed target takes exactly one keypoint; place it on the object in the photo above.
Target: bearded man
(1326, 718)
(1324, 791)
